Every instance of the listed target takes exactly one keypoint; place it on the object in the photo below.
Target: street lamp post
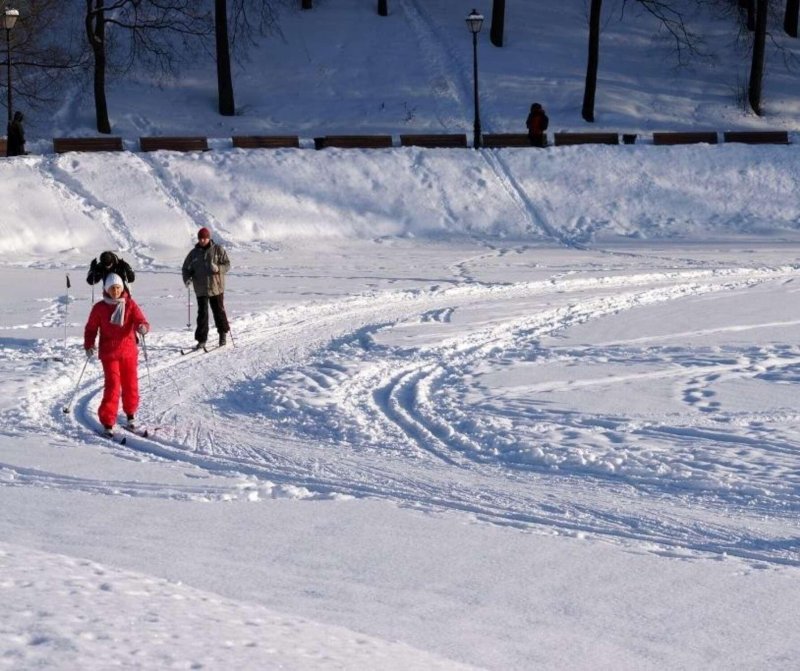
(474, 23)
(10, 17)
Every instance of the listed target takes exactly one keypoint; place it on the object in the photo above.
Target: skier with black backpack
(110, 263)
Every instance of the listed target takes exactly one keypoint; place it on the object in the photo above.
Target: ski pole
(147, 364)
(188, 309)
(77, 384)
(66, 315)
(230, 330)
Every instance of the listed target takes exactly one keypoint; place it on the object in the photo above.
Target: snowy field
(504, 446)
(499, 409)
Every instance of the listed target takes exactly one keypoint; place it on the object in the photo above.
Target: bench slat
(586, 138)
(266, 141)
(434, 140)
(493, 140)
(758, 137)
(685, 138)
(354, 141)
(173, 143)
(65, 144)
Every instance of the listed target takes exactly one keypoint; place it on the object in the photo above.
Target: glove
(93, 265)
(214, 268)
(90, 353)
(142, 329)
(187, 282)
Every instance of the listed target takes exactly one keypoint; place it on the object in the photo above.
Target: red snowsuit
(119, 355)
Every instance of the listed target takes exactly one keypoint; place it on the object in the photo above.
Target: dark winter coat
(206, 267)
(16, 137)
(98, 272)
(537, 123)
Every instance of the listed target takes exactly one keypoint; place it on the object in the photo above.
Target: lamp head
(10, 17)
(475, 22)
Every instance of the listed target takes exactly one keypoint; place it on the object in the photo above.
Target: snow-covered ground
(503, 409)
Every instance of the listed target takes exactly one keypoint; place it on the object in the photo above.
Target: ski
(207, 349)
(142, 433)
(113, 438)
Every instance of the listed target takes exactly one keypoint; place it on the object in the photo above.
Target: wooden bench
(694, 137)
(3, 146)
(173, 143)
(444, 140)
(266, 141)
(758, 137)
(586, 138)
(353, 141)
(493, 140)
(65, 144)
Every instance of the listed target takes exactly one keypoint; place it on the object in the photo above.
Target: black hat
(107, 258)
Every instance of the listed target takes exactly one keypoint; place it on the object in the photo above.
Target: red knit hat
(203, 233)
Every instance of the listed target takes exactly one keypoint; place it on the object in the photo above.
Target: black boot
(223, 339)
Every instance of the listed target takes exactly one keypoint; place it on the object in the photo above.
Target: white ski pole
(77, 384)
(66, 315)
(147, 364)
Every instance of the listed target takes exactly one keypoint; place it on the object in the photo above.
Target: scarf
(118, 316)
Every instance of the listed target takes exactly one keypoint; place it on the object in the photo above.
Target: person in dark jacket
(110, 263)
(205, 268)
(15, 145)
(537, 123)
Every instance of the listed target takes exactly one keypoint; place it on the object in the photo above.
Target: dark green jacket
(206, 267)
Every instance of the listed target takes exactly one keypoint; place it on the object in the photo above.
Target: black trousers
(217, 309)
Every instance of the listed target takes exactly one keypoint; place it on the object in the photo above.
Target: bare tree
(306, 4)
(685, 41)
(43, 58)
(383, 8)
(749, 6)
(224, 76)
(757, 66)
(236, 25)
(790, 17)
(151, 31)
(668, 17)
(593, 61)
(498, 22)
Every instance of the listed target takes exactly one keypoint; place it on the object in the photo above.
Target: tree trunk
(750, 6)
(224, 79)
(498, 22)
(593, 62)
(757, 68)
(306, 4)
(790, 17)
(383, 8)
(96, 32)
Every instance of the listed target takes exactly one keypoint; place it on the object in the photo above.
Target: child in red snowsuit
(118, 318)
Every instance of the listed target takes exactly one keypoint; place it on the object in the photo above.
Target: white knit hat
(112, 280)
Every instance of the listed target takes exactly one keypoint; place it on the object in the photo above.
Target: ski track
(156, 165)
(345, 414)
(61, 180)
(443, 61)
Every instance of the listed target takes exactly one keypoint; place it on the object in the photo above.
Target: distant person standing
(110, 263)
(537, 123)
(15, 144)
(205, 268)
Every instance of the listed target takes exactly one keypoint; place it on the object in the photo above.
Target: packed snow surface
(499, 409)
